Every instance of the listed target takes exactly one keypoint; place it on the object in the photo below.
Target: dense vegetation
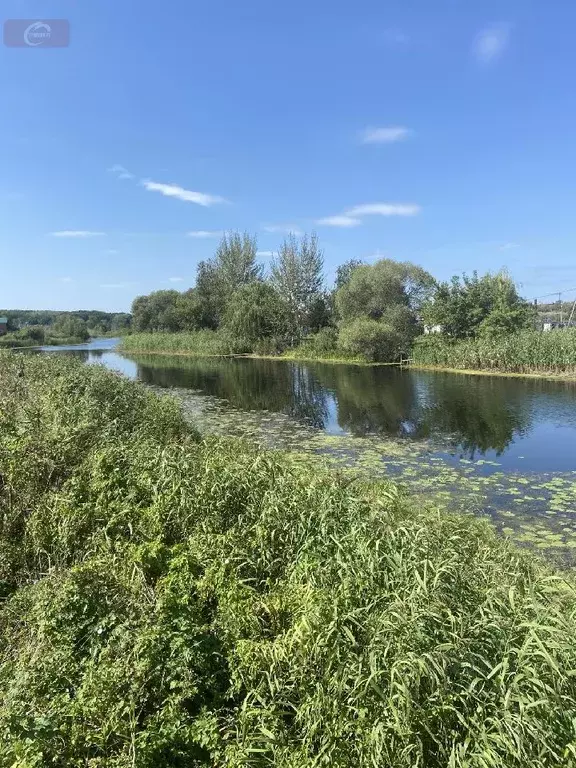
(373, 313)
(169, 601)
(28, 328)
(97, 322)
(486, 307)
(523, 352)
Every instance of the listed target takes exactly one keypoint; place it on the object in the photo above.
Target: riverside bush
(172, 601)
(523, 352)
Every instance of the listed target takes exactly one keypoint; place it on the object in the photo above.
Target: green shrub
(370, 339)
(175, 602)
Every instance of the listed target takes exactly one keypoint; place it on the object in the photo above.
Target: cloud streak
(342, 221)
(353, 217)
(186, 195)
(388, 135)
(384, 209)
(120, 172)
(80, 233)
(490, 43)
(204, 233)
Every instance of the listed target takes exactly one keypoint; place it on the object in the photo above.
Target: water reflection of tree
(246, 384)
(482, 414)
(374, 400)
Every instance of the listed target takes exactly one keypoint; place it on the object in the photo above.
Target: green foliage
(371, 290)
(344, 271)
(379, 307)
(255, 311)
(375, 341)
(21, 320)
(522, 352)
(233, 266)
(177, 603)
(204, 342)
(487, 306)
(69, 327)
(297, 276)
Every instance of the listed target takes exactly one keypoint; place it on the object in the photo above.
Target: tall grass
(203, 342)
(524, 352)
(169, 601)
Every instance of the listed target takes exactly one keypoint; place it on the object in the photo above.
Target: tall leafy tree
(298, 275)
(344, 271)
(234, 264)
(373, 289)
(255, 312)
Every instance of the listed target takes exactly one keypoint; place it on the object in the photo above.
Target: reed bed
(203, 342)
(524, 352)
(169, 601)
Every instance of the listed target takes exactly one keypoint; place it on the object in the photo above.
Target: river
(502, 448)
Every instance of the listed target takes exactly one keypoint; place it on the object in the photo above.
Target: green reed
(525, 352)
(169, 601)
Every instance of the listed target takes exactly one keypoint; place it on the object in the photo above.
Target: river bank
(547, 375)
(210, 602)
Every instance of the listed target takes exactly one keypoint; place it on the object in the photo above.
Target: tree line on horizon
(32, 326)
(373, 311)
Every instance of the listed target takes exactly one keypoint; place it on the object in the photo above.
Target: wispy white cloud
(111, 252)
(509, 246)
(343, 221)
(66, 280)
(76, 233)
(120, 172)
(175, 279)
(383, 209)
(204, 233)
(265, 254)
(282, 229)
(114, 285)
(187, 195)
(490, 43)
(387, 135)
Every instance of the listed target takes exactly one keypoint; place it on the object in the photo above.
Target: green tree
(344, 271)
(156, 312)
(233, 265)
(297, 276)
(471, 306)
(70, 327)
(371, 290)
(254, 312)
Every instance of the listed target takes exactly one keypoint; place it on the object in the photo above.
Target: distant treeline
(29, 327)
(96, 321)
(372, 312)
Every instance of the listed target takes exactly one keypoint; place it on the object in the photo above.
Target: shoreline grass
(545, 353)
(173, 601)
(549, 375)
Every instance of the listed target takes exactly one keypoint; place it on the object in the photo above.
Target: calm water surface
(503, 447)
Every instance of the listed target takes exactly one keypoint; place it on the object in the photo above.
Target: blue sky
(439, 132)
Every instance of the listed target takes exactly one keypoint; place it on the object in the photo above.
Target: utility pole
(560, 302)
